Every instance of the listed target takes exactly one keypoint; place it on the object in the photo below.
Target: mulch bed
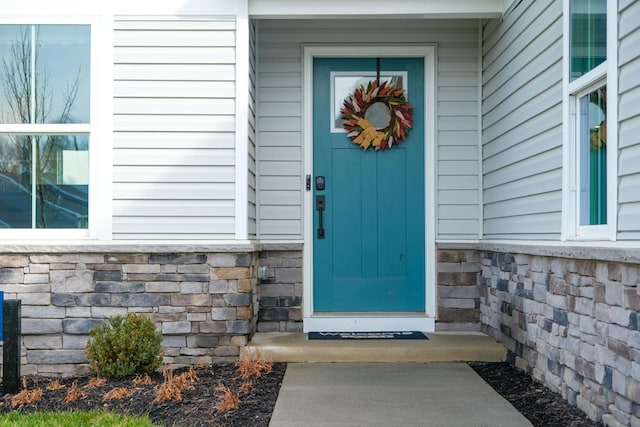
(536, 402)
(199, 406)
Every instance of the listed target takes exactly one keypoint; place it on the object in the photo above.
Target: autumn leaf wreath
(358, 124)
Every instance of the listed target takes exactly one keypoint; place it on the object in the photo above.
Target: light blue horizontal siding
(629, 121)
(252, 202)
(174, 130)
(522, 123)
(280, 180)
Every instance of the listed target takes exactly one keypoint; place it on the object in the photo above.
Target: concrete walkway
(389, 394)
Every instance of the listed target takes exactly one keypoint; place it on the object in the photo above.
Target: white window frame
(604, 74)
(99, 134)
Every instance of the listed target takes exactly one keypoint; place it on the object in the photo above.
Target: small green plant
(123, 346)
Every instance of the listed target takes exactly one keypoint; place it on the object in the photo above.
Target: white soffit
(336, 9)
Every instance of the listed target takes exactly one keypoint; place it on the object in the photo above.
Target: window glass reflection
(593, 158)
(44, 181)
(44, 73)
(588, 35)
(15, 176)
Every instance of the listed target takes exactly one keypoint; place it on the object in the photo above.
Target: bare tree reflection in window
(29, 98)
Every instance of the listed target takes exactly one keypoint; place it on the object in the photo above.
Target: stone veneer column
(458, 291)
(280, 293)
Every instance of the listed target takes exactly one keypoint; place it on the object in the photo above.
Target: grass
(60, 419)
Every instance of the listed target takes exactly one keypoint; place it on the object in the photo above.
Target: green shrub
(124, 346)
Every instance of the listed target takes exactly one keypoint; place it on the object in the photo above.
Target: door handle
(320, 207)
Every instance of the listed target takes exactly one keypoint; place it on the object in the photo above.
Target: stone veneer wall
(281, 290)
(573, 324)
(458, 291)
(205, 304)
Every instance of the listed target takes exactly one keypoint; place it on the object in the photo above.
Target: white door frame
(362, 322)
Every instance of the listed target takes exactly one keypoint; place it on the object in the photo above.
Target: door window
(344, 83)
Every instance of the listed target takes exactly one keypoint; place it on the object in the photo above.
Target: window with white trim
(44, 126)
(591, 149)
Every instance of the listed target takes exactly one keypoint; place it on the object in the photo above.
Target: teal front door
(370, 254)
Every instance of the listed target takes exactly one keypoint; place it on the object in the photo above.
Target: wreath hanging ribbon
(358, 125)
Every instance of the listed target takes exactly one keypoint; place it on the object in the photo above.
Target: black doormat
(410, 335)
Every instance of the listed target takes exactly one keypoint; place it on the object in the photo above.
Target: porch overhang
(372, 9)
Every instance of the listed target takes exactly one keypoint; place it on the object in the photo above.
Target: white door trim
(369, 322)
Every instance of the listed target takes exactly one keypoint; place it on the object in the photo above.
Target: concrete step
(440, 347)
